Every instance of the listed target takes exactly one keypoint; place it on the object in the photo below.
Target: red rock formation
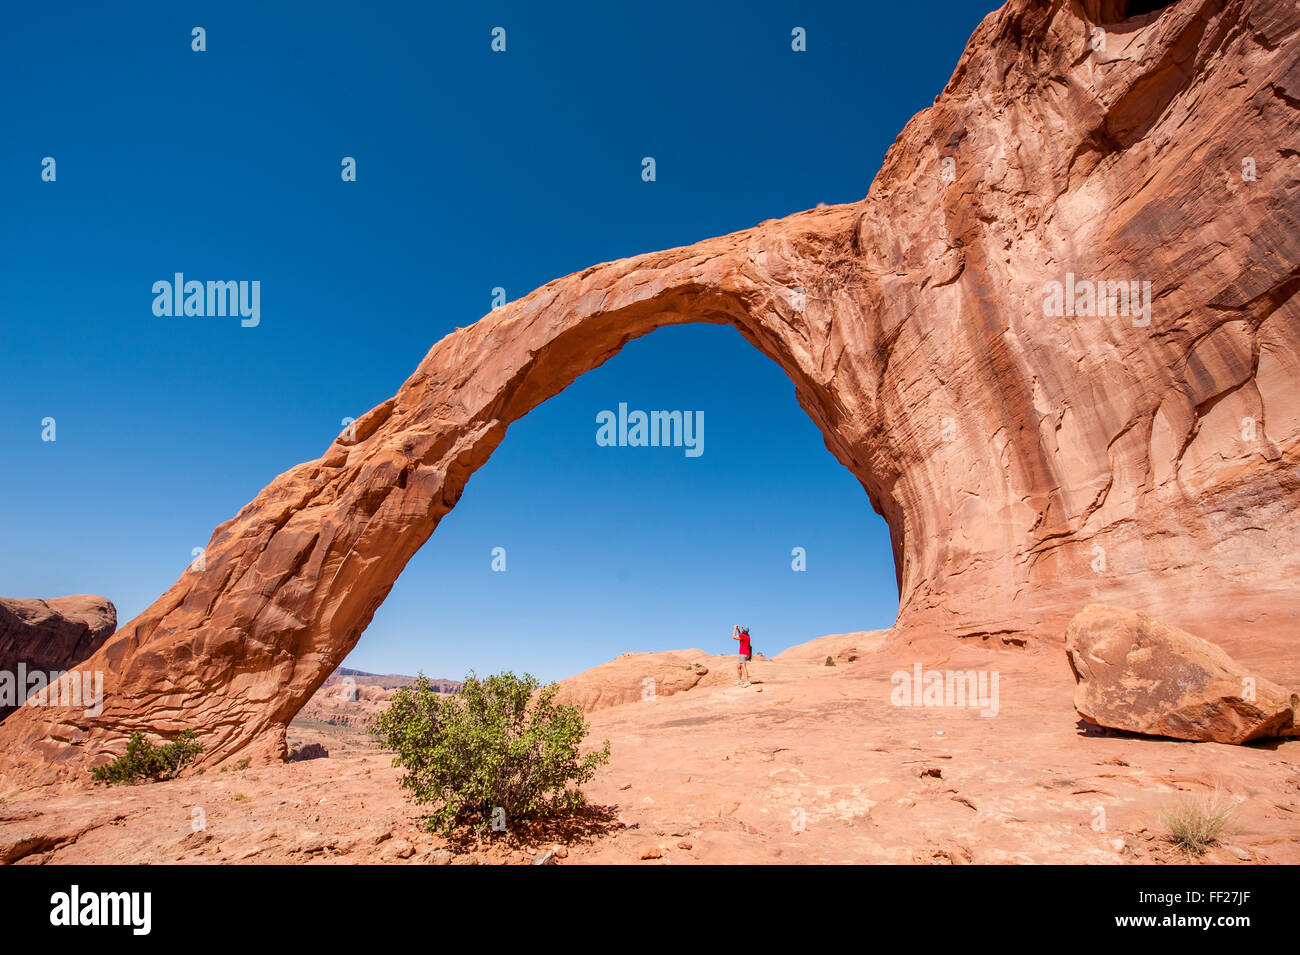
(647, 676)
(52, 635)
(1027, 463)
(1134, 673)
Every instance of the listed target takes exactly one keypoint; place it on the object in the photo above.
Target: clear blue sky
(474, 170)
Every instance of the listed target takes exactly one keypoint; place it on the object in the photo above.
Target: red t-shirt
(744, 643)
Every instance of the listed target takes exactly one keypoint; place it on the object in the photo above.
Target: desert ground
(811, 764)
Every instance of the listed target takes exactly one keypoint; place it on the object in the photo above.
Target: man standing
(742, 665)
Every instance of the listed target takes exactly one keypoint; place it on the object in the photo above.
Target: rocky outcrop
(52, 635)
(634, 677)
(1030, 454)
(841, 648)
(1137, 674)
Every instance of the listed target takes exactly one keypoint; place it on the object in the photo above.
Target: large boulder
(1137, 674)
(634, 677)
(52, 635)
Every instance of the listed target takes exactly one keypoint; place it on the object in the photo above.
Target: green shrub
(830, 662)
(144, 760)
(1194, 826)
(498, 744)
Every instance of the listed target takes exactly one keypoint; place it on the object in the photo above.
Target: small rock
(624, 787)
(684, 845)
(1237, 851)
(195, 839)
(545, 858)
(437, 857)
(561, 852)
(649, 851)
(397, 849)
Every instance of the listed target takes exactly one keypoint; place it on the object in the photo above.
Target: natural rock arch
(1025, 465)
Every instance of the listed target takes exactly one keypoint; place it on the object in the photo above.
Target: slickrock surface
(842, 648)
(1027, 464)
(52, 635)
(819, 767)
(1137, 674)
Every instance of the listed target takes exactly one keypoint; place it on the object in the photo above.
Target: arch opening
(564, 553)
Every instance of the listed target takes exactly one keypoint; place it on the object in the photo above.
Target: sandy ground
(810, 764)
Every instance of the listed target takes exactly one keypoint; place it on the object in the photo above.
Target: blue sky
(475, 170)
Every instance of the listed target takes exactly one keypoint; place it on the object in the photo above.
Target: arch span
(1026, 463)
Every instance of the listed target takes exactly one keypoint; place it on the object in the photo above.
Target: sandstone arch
(1007, 451)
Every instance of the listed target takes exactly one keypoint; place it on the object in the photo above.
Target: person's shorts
(746, 657)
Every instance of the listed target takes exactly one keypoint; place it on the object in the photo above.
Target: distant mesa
(387, 681)
(353, 697)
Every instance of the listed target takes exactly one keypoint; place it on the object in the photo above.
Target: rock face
(1030, 455)
(1138, 674)
(52, 635)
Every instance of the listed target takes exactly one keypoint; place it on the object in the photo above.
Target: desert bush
(1195, 825)
(500, 744)
(830, 662)
(144, 760)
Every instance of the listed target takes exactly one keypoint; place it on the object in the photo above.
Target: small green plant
(243, 764)
(830, 662)
(143, 760)
(240, 797)
(500, 749)
(1196, 824)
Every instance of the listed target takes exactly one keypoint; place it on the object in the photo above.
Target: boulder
(646, 677)
(1137, 674)
(52, 635)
